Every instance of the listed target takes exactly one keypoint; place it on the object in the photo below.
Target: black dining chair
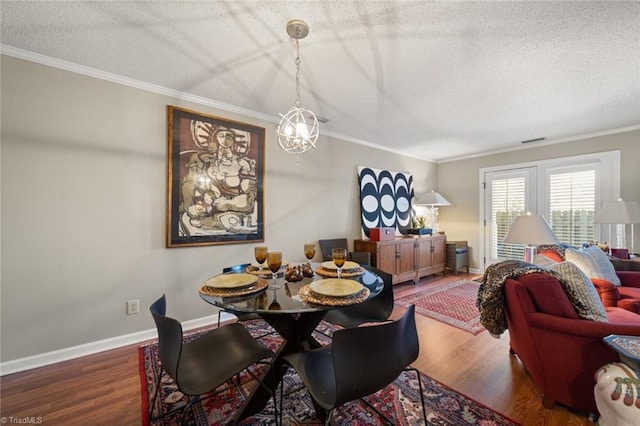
(358, 362)
(326, 245)
(200, 366)
(241, 316)
(375, 309)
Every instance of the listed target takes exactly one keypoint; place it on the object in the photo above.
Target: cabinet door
(425, 258)
(386, 258)
(406, 262)
(439, 253)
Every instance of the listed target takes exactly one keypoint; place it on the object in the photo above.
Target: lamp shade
(619, 212)
(431, 199)
(530, 229)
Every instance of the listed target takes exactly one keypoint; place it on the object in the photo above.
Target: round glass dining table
(295, 319)
(285, 299)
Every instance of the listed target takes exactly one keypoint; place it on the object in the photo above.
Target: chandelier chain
(297, 73)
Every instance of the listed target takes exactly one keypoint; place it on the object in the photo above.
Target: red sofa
(626, 296)
(560, 351)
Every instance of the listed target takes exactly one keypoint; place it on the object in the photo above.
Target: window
(507, 192)
(567, 191)
(572, 203)
(507, 200)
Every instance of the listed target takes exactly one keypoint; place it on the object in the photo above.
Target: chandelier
(298, 129)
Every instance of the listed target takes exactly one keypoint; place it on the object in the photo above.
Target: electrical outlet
(133, 306)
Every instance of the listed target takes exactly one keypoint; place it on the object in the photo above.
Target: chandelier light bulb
(301, 130)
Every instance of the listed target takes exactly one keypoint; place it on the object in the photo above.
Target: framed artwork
(215, 180)
(386, 199)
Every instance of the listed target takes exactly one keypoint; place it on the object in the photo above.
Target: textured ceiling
(435, 80)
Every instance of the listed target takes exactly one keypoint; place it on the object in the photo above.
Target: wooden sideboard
(407, 258)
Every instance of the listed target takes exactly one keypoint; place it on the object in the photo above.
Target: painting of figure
(215, 189)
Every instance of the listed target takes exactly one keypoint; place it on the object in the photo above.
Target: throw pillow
(551, 254)
(609, 293)
(580, 291)
(593, 262)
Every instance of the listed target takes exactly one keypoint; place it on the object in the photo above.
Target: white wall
(83, 208)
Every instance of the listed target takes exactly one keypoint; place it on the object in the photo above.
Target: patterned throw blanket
(490, 300)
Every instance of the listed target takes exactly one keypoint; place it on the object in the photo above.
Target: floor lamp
(530, 230)
(619, 213)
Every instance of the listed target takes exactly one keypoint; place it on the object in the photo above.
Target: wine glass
(339, 256)
(309, 252)
(260, 253)
(274, 260)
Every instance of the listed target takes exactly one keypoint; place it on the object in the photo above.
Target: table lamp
(432, 199)
(530, 230)
(619, 213)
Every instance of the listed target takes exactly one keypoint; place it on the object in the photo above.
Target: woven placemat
(259, 285)
(265, 272)
(334, 273)
(311, 297)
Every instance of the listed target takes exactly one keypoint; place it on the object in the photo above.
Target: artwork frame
(386, 200)
(215, 180)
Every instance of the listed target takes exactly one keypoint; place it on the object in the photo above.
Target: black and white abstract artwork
(385, 199)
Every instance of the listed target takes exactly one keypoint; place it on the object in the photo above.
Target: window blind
(508, 201)
(572, 203)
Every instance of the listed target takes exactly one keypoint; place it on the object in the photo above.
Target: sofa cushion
(547, 295)
(593, 262)
(580, 291)
(629, 292)
(622, 316)
(632, 305)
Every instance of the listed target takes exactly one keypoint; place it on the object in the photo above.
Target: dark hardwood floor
(104, 389)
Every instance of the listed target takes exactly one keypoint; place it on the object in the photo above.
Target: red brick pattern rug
(453, 303)
(400, 402)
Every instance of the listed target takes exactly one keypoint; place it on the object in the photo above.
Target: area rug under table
(453, 303)
(400, 402)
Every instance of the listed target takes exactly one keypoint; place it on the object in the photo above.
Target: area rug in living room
(400, 402)
(453, 303)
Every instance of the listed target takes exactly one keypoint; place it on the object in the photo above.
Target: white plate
(347, 265)
(232, 280)
(336, 287)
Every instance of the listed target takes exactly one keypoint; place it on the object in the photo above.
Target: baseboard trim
(53, 357)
